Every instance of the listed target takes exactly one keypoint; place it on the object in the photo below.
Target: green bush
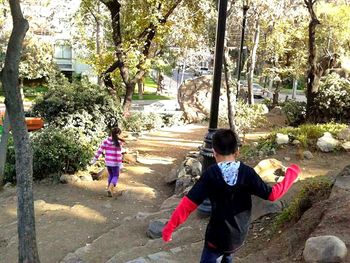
(295, 112)
(140, 121)
(55, 151)
(10, 168)
(308, 134)
(333, 99)
(247, 116)
(78, 105)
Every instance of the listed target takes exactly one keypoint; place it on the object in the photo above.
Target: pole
(240, 54)
(207, 151)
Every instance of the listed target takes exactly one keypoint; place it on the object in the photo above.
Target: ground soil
(68, 216)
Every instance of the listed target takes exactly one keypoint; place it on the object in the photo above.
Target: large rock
(69, 179)
(171, 176)
(194, 97)
(327, 143)
(308, 155)
(324, 249)
(346, 146)
(193, 167)
(262, 207)
(344, 134)
(155, 228)
(343, 178)
(182, 183)
(139, 193)
(266, 169)
(282, 138)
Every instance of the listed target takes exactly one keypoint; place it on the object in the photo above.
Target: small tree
(313, 76)
(27, 247)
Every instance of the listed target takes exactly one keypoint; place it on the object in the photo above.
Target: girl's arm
(99, 151)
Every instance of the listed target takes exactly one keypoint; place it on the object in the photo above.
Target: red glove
(279, 189)
(181, 213)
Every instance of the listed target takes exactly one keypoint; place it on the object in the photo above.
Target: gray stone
(287, 159)
(171, 202)
(182, 183)
(86, 178)
(72, 258)
(346, 146)
(344, 134)
(262, 207)
(308, 155)
(296, 142)
(282, 138)
(343, 179)
(327, 143)
(176, 250)
(138, 260)
(69, 178)
(155, 228)
(161, 257)
(171, 177)
(324, 249)
(194, 167)
(194, 98)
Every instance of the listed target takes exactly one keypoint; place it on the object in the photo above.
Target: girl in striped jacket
(112, 148)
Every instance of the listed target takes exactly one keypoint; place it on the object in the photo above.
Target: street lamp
(240, 54)
(207, 151)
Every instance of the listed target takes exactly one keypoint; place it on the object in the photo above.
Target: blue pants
(210, 256)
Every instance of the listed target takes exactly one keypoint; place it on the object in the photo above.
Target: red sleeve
(181, 213)
(279, 189)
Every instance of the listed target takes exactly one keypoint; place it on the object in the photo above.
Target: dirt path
(79, 219)
(71, 216)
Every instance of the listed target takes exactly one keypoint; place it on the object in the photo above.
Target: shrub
(308, 134)
(313, 190)
(247, 116)
(333, 99)
(79, 105)
(10, 168)
(139, 121)
(55, 151)
(60, 151)
(295, 112)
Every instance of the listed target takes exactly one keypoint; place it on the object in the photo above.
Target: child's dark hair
(115, 132)
(225, 142)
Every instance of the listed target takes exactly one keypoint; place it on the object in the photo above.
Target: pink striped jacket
(113, 154)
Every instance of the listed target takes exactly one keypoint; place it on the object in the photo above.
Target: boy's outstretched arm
(279, 189)
(181, 213)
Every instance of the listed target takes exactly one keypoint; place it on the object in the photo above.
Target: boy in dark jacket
(229, 185)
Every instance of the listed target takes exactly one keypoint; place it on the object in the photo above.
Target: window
(63, 52)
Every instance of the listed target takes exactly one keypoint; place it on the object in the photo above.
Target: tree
(313, 76)
(27, 246)
(139, 45)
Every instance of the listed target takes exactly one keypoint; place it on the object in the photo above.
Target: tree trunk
(128, 97)
(231, 97)
(140, 86)
(275, 96)
(295, 87)
(313, 76)
(3, 146)
(27, 246)
(253, 62)
(98, 41)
